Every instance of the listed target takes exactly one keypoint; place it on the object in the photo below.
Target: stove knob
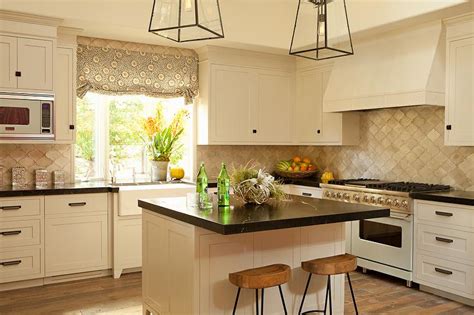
(405, 204)
(366, 198)
(327, 194)
(339, 195)
(396, 203)
(346, 197)
(372, 199)
(388, 202)
(380, 200)
(356, 198)
(333, 195)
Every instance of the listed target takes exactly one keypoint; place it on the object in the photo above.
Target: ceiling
(260, 24)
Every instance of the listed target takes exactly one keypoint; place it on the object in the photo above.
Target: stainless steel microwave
(26, 116)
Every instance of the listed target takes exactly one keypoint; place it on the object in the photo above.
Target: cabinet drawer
(445, 241)
(445, 213)
(19, 233)
(312, 192)
(10, 208)
(445, 274)
(81, 203)
(20, 265)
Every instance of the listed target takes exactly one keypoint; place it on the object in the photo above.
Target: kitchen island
(188, 253)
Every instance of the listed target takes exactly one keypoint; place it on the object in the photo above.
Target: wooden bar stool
(329, 266)
(261, 278)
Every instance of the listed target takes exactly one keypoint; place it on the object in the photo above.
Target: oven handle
(404, 217)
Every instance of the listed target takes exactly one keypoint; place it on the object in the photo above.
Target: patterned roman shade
(116, 67)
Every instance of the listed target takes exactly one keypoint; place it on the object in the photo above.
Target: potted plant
(163, 141)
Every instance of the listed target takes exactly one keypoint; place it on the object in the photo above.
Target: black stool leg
(304, 294)
(256, 301)
(330, 299)
(282, 300)
(236, 301)
(352, 293)
(261, 307)
(327, 295)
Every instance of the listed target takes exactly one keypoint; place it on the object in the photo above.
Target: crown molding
(66, 30)
(29, 18)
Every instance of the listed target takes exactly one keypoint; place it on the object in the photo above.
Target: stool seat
(333, 265)
(261, 277)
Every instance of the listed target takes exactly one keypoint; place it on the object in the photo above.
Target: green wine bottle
(201, 181)
(223, 187)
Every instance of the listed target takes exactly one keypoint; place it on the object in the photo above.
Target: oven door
(385, 240)
(20, 117)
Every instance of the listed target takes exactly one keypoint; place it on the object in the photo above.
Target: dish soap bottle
(223, 187)
(201, 182)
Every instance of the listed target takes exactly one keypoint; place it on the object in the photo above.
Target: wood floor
(376, 294)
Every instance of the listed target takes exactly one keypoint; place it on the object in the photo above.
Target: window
(111, 139)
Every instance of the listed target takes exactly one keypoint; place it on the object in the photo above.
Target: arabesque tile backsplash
(33, 157)
(403, 144)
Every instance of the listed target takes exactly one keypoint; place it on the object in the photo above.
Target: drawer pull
(77, 204)
(10, 263)
(444, 214)
(307, 194)
(444, 240)
(443, 271)
(6, 233)
(10, 208)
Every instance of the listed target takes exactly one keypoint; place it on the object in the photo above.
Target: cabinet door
(274, 104)
(308, 107)
(460, 92)
(8, 62)
(65, 98)
(35, 61)
(232, 99)
(75, 244)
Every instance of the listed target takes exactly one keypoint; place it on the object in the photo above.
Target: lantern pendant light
(321, 30)
(186, 20)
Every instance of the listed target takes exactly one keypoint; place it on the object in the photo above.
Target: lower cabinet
(76, 234)
(444, 248)
(75, 244)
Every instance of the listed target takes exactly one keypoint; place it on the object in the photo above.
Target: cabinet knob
(254, 131)
(71, 127)
(17, 73)
(448, 127)
(319, 131)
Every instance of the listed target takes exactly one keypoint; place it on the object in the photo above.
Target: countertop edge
(446, 199)
(261, 226)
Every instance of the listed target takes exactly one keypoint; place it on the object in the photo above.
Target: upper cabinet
(243, 102)
(460, 81)
(311, 125)
(28, 64)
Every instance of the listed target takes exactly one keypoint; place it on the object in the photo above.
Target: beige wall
(32, 157)
(404, 144)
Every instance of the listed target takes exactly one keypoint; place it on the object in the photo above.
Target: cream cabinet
(460, 82)
(21, 239)
(313, 126)
(76, 233)
(444, 249)
(65, 96)
(28, 64)
(245, 105)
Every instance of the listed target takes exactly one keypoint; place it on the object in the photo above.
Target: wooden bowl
(304, 174)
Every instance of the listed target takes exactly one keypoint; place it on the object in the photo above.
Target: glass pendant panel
(321, 30)
(186, 20)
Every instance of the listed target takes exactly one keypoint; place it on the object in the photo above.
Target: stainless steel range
(385, 244)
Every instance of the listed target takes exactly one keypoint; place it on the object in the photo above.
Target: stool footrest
(313, 311)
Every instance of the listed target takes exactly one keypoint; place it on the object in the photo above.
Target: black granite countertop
(309, 181)
(454, 196)
(242, 218)
(75, 188)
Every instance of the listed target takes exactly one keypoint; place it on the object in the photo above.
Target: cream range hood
(405, 68)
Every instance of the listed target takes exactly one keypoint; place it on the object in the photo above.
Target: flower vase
(159, 170)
